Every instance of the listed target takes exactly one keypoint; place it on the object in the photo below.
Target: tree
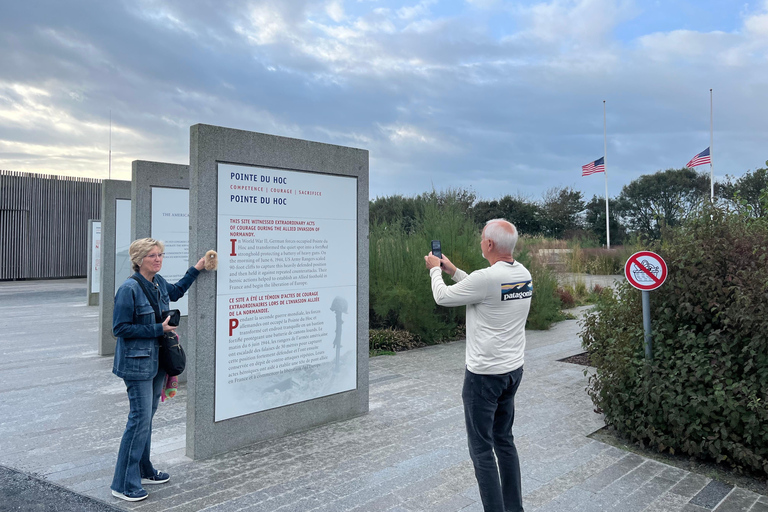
(594, 220)
(525, 215)
(561, 209)
(408, 211)
(663, 199)
(750, 192)
(394, 208)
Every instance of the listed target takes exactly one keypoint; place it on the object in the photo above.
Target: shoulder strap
(150, 297)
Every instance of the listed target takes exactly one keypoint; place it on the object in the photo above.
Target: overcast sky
(502, 97)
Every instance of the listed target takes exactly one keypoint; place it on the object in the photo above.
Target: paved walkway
(62, 414)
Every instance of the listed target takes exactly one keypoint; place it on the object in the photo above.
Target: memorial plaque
(170, 224)
(123, 268)
(95, 256)
(286, 288)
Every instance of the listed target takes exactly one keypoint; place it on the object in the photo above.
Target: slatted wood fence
(44, 224)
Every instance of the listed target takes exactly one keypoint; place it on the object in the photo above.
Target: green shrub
(704, 394)
(597, 293)
(391, 340)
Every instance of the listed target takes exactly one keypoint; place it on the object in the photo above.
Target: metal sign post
(646, 271)
(647, 324)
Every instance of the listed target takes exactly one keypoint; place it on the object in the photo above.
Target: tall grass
(573, 256)
(546, 307)
(401, 292)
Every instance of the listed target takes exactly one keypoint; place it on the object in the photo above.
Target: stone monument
(280, 331)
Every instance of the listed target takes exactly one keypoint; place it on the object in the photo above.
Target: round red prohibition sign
(645, 270)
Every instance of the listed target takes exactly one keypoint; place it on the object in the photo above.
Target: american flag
(593, 167)
(700, 159)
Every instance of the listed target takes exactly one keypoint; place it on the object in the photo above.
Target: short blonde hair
(140, 248)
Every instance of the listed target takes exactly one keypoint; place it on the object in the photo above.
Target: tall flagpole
(605, 164)
(711, 142)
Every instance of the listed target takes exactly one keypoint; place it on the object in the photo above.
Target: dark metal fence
(44, 224)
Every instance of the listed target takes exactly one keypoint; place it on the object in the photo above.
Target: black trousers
(489, 412)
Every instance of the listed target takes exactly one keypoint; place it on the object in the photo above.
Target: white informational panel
(122, 241)
(170, 225)
(95, 256)
(286, 300)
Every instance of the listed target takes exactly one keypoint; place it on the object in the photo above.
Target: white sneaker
(137, 496)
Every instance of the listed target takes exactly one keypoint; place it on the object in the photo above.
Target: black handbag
(172, 357)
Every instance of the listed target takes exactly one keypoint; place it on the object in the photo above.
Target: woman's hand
(167, 327)
(200, 265)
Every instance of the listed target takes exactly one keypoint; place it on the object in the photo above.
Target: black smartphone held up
(436, 250)
(175, 315)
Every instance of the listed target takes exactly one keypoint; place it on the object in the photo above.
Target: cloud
(756, 23)
(497, 95)
(484, 4)
(415, 11)
(572, 23)
(335, 10)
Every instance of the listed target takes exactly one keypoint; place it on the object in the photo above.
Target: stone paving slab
(62, 413)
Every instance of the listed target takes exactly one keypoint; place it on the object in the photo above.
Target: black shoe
(159, 478)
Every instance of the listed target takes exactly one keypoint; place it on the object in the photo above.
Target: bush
(391, 340)
(566, 297)
(704, 394)
(597, 293)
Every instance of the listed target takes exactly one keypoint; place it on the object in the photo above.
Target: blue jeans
(133, 458)
(489, 412)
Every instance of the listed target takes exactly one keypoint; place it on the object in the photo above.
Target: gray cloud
(439, 99)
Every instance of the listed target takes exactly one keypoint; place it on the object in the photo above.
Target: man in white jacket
(498, 299)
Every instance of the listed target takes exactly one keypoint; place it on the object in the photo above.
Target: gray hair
(503, 237)
(140, 248)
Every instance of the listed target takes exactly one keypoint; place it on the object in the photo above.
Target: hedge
(705, 393)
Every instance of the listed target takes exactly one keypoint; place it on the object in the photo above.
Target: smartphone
(175, 315)
(436, 250)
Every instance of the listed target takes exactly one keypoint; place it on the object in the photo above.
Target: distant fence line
(44, 224)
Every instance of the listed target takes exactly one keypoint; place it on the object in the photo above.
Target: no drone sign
(645, 270)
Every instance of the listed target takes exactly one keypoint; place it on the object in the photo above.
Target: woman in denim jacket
(136, 361)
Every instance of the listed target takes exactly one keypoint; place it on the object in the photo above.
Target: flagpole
(605, 164)
(711, 142)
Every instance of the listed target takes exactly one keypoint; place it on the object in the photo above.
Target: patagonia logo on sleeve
(514, 291)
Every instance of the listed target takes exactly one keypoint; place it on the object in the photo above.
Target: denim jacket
(135, 326)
